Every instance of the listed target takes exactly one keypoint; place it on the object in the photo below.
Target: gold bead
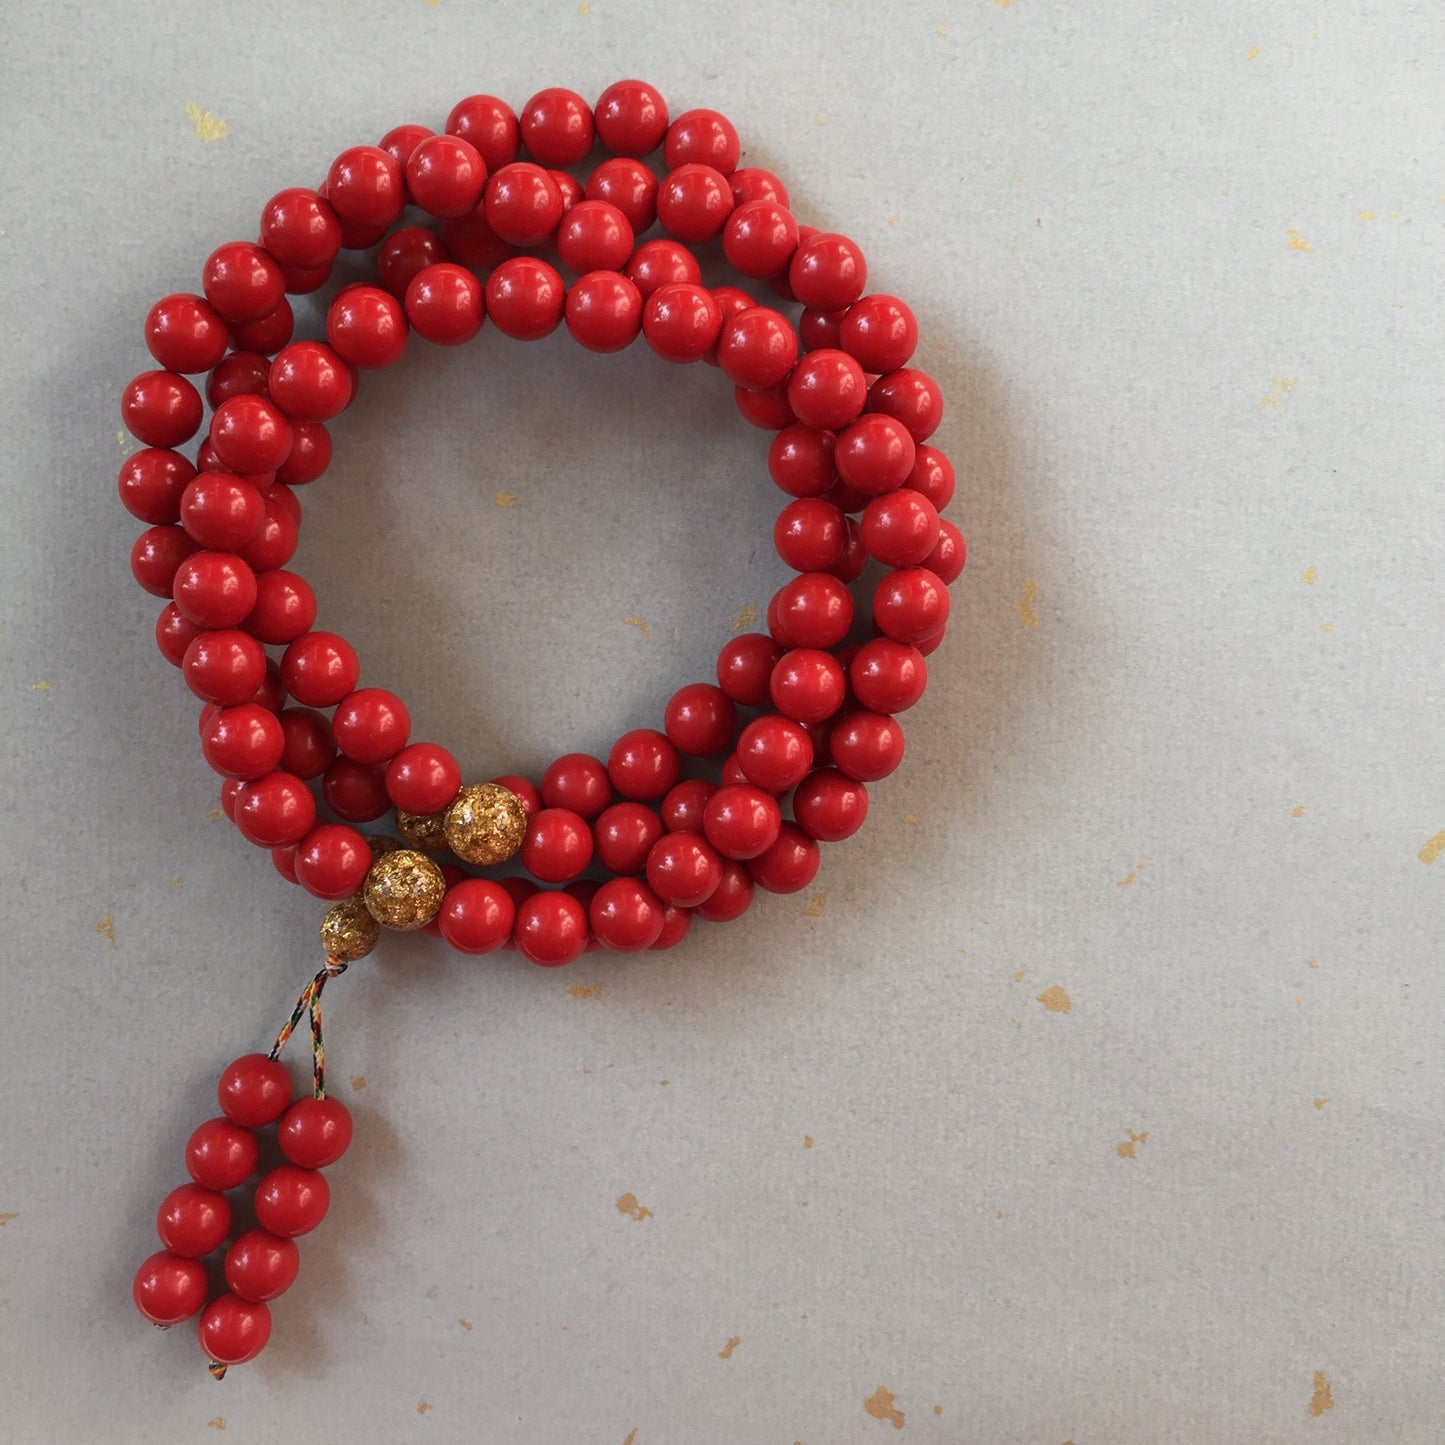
(381, 844)
(485, 824)
(348, 931)
(404, 890)
(426, 831)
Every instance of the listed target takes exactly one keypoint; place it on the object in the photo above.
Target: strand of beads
(798, 721)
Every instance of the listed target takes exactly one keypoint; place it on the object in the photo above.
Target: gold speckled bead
(485, 824)
(381, 844)
(348, 931)
(427, 831)
(404, 890)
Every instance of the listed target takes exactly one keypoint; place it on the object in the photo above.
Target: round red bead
(161, 409)
(250, 434)
(900, 528)
(291, 1200)
(423, 778)
(700, 720)
(168, 1289)
(522, 204)
(827, 389)
(759, 238)
(731, 898)
(557, 845)
(221, 511)
(827, 271)
(557, 126)
(656, 264)
(214, 589)
(829, 805)
(315, 1132)
(683, 869)
(875, 454)
(525, 298)
(319, 669)
(888, 676)
(274, 811)
(551, 928)
(261, 1265)
(682, 809)
(444, 304)
(910, 605)
(790, 865)
(221, 1155)
(745, 667)
(742, 820)
(233, 1330)
(628, 185)
(774, 752)
(631, 118)
(332, 862)
(866, 745)
(299, 228)
(225, 667)
(490, 125)
(909, 396)
(152, 484)
(643, 764)
(694, 202)
(477, 916)
(445, 176)
(807, 685)
(193, 1221)
(308, 750)
(242, 282)
(577, 781)
(594, 236)
(367, 327)
(757, 348)
(185, 333)
(366, 186)
(604, 311)
(626, 915)
(702, 136)
(355, 791)
(243, 742)
(624, 834)
(371, 725)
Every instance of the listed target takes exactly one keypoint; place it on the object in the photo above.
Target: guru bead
(348, 931)
(404, 890)
(485, 824)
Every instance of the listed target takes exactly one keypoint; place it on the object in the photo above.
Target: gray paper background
(1178, 271)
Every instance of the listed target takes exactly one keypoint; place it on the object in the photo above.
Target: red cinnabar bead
(774, 752)
(551, 928)
(161, 409)
(366, 186)
(655, 264)
(789, 865)
(745, 668)
(757, 348)
(444, 304)
(694, 202)
(626, 915)
(624, 835)
(233, 1330)
(332, 861)
(250, 434)
(643, 764)
(683, 869)
(371, 725)
(367, 327)
(445, 175)
(225, 667)
(490, 125)
(168, 1289)
(185, 332)
(759, 238)
(682, 808)
(242, 282)
(319, 669)
(631, 118)
(314, 1133)
(261, 1265)
(221, 1155)
(702, 136)
(477, 916)
(594, 236)
(522, 204)
(557, 126)
(291, 1200)
(525, 297)
(741, 820)
(299, 227)
(829, 805)
(557, 846)
(628, 185)
(701, 720)
(193, 1221)
(274, 811)
(731, 898)
(604, 311)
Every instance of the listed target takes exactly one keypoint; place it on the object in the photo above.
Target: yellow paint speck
(120, 438)
(1056, 1000)
(1320, 1103)
(1253, 53)
(631, 1436)
(627, 1204)
(6, 1218)
(1003, 4)
(42, 686)
(1298, 811)
(1025, 605)
(938, 1409)
(745, 618)
(506, 499)
(815, 905)
(1138, 868)
(1314, 963)
(1296, 241)
(584, 8)
(586, 990)
(943, 30)
(641, 626)
(422, 1406)
(217, 813)
(663, 1083)
(208, 126)
(465, 1324)
(822, 120)
(1432, 849)
(1327, 626)
(880, 1403)
(1019, 976)
(1129, 1148)
(175, 882)
(216, 1422)
(1280, 386)
(358, 1082)
(726, 1353)
(106, 929)
(893, 220)
(1321, 1400)
(1308, 576)
(1365, 215)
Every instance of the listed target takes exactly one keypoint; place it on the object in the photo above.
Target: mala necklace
(801, 717)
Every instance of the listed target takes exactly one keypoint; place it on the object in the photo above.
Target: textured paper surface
(1094, 1092)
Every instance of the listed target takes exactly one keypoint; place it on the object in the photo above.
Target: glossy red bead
(309, 456)
(366, 186)
(224, 667)
(274, 811)
(261, 1265)
(810, 535)
(759, 238)
(242, 373)
(910, 604)
(299, 227)
(477, 916)
(684, 804)
(161, 409)
(774, 752)
(275, 541)
(423, 778)
(675, 925)
(319, 669)
(367, 327)
(355, 791)
(221, 1155)
(875, 454)
(291, 1201)
(557, 845)
(444, 304)
(631, 118)
(221, 511)
(266, 335)
(577, 781)
(624, 834)
(152, 485)
(594, 236)
(731, 898)
(445, 176)
(557, 126)
(800, 460)
(757, 348)
(815, 610)
(818, 329)
(790, 865)
(949, 553)
(656, 264)
(309, 381)
(866, 745)
(900, 529)
(488, 124)
(168, 1288)
(643, 764)
(701, 720)
(242, 282)
(766, 408)
(332, 862)
(522, 204)
(745, 667)
(827, 271)
(314, 1133)
(683, 869)
(185, 332)
(628, 185)
(551, 928)
(193, 1221)
(604, 311)
(694, 202)
(470, 240)
(933, 475)
(308, 747)
(243, 742)
(753, 183)
(909, 396)
(681, 322)
(888, 676)
(250, 434)
(525, 297)
(233, 1330)
(407, 251)
(741, 820)
(214, 589)
(829, 805)
(880, 331)
(702, 136)
(371, 725)
(173, 634)
(626, 915)
(827, 389)
(807, 685)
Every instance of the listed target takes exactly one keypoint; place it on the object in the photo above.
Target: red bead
(767, 408)
(909, 396)
(523, 204)
(243, 742)
(274, 811)
(152, 484)
(271, 692)
(932, 475)
(406, 252)
(681, 322)
(800, 460)
(675, 925)
(815, 609)
(745, 666)
(242, 282)
(827, 389)
(291, 1200)
(570, 189)
(827, 271)
(221, 1155)
(626, 915)
(308, 747)
(910, 605)
(302, 280)
(702, 136)
(557, 126)
(174, 634)
(275, 541)
(949, 553)
(168, 1289)
(789, 865)
(250, 434)
(470, 240)
(604, 311)
(371, 725)
(261, 1265)
(655, 264)
(551, 928)
(423, 778)
(774, 752)
(309, 382)
(624, 834)
(875, 454)
(444, 304)
(193, 1221)
(242, 373)
(230, 790)
(490, 125)
(741, 820)
(214, 589)
(299, 228)
(683, 869)
(161, 409)
(757, 348)
(643, 765)
(366, 186)
(367, 327)
(881, 332)
(829, 805)
(225, 668)
(310, 454)
(221, 511)
(557, 845)
(355, 791)
(319, 669)
(594, 236)
(888, 676)
(524, 790)
(314, 1133)
(525, 298)
(760, 238)
(631, 118)
(810, 535)
(577, 781)
(445, 176)
(683, 807)
(753, 183)
(628, 185)
(332, 862)
(184, 332)
(866, 745)
(233, 1330)
(477, 916)
(819, 329)
(731, 898)
(808, 685)
(701, 720)
(268, 334)
(900, 529)
(694, 202)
